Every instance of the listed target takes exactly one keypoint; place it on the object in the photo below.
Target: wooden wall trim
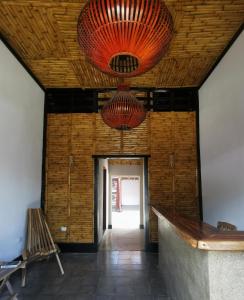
(44, 149)
(78, 247)
(123, 155)
(96, 176)
(146, 205)
(199, 173)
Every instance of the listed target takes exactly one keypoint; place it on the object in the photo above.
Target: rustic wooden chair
(5, 275)
(39, 243)
(224, 226)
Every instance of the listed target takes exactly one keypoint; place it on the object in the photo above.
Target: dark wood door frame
(104, 199)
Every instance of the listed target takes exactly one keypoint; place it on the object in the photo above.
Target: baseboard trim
(78, 247)
(152, 247)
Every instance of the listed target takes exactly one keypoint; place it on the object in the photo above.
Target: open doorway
(124, 203)
(125, 195)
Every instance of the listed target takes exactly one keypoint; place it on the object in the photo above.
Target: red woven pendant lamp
(124, 38)
(123, 111)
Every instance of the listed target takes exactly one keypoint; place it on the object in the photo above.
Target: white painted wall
(221, 107)
(21, 134)
(130, 191)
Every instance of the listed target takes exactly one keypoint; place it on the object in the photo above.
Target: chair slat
(39, 239)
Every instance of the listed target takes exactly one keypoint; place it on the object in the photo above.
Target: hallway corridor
(106, 275)
(125, 235)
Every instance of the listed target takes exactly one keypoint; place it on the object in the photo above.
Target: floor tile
(106, 275)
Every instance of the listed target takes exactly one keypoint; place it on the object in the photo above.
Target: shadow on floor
(106, 275)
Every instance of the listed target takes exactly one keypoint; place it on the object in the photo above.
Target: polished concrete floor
(119, 271)
(106, 275)
(123, 240)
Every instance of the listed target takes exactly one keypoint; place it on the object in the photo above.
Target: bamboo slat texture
(173, 165)
(69, 168)
(72, 139)
(44, 34)
(57, 174)
(81, 178)
(113, 141)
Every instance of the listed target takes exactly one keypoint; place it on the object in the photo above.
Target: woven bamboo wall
(173, 165)
(57, 173)
(114, 141)
(72, 139)
(81, 178)
(69, 175)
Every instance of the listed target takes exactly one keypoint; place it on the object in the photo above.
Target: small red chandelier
(123, 111)
(124, 38)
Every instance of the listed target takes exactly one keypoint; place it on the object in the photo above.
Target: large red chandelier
(124, 38)
(123, 111)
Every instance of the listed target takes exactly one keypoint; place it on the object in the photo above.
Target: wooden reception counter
(202, 235)
(199, 262)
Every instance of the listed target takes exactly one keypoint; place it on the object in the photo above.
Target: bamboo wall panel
(160, 172)
(115, 141)
(185, 165)
(107, 140)
(57, 174)
(173, 165)
(69, 188)
(44, 34)
(81, 178)
(136, 141)
(72, 139)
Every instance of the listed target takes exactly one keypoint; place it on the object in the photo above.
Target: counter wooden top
(202, 235)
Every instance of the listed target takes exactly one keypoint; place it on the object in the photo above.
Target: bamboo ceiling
(43, 33)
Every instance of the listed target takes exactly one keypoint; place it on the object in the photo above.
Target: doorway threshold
(123, 239)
